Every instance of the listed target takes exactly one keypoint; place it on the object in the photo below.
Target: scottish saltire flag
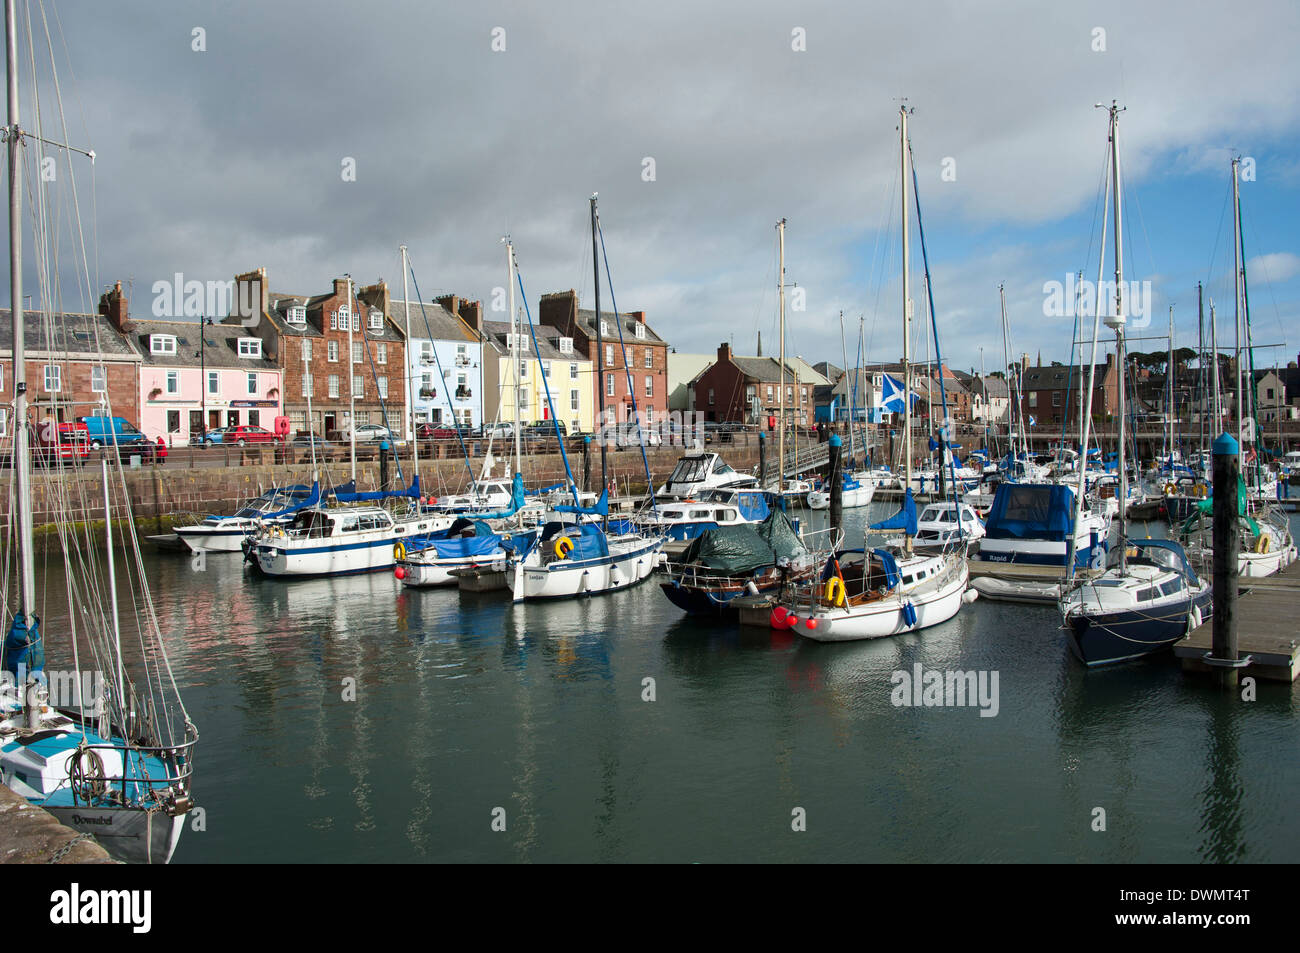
(1032, 421)
(892, 396)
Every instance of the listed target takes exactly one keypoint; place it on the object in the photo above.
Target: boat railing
(177, 759)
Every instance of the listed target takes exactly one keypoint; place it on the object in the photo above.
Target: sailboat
(572, 555)
(865, 594)
(857, 486)
(116, 758)
(1149, 596)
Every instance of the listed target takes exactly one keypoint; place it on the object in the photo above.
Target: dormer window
(250, 347)
(376, 319)
(640, 331)
(566, 345)
(162, 344)
(604, 327)
(519, 341)
(297, 315)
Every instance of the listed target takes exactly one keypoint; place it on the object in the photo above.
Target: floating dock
(1267, 630)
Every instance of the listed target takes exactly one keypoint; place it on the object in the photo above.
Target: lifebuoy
(1261, 544)
(399, 551)
(1200, 491)
(1170, 489)
(563, 546)
(835, 591)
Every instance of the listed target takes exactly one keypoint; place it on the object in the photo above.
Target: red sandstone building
(646, 353)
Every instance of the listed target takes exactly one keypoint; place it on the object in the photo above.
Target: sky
(313, 139)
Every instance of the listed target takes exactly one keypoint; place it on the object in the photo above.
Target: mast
(514, 342)
(1200, 360)
(1116, 322)
(1214, 345)
(600, 341)
(352, 389)
(410, 404)
(844, 351)
(780, 293)
(112, 586)
(22, 461)
(907, 326)
(1013, 394)
(1236, 289)
(1169, 409)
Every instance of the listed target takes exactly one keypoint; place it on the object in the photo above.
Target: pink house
(190, 385)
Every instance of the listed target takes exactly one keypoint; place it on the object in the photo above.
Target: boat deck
(1266, 629)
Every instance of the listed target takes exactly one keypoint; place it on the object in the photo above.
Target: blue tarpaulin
(904, 519)
(1031, 511)
(23, 646)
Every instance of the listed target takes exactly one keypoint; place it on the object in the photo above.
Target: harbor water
(352, 720)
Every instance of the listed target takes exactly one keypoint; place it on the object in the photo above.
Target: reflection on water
(464, 703)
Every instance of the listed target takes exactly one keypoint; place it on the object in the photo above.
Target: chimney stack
(471, 312)
(724, 352)
(114, 306)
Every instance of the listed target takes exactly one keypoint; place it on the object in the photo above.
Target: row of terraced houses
(347, 356)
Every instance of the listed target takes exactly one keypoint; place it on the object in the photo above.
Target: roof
(828, 370)
(70, 333)
(278, 305)
(1058, 377)
(587, 321)
(431, 322)
(546, 349)
(992, 386)
(221, 347)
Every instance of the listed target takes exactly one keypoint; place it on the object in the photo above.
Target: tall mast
(780, 293)
(514, 343)
(1214, 346)
(410, 404)
(22, 478)
(352, 388)
(1200, 360)
(1116, 322)
(1169, 373)
(844, 351)
(600, 338)
(1013, 393)
(907, 325)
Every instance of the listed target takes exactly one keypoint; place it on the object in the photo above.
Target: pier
(29, 835)
(1266, 633)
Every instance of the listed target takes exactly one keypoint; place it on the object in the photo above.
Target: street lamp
(203, 377)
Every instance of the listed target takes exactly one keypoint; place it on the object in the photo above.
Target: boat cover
(1043, 511)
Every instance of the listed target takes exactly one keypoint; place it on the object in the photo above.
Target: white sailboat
(572, 555)
(883, 591)
(109, 752)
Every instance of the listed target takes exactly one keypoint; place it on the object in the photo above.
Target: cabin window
(351, 525)
(1146, 595)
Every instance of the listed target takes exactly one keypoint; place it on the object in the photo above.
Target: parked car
(208, 438)
(626, 435)
(374, 432)
(305, 441)
(544, 430)
(107, 431)
(249, 434)
(441, 432)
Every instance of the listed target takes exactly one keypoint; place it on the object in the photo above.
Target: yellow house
(550, 362)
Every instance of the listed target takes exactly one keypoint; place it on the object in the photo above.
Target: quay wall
(185, 485)
(30, 835)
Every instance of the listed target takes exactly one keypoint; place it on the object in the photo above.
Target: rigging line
(442, 375)
(559, 439)
(618, 319)
(934, 325)
(383, 401)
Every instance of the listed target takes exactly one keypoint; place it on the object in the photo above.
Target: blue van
(105, 431)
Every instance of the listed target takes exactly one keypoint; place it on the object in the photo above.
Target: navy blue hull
(699, 600)
(1121, 636)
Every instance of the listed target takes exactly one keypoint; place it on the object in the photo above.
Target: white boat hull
(631, 560)
(885, 617)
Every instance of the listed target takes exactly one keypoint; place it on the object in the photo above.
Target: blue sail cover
(466, 546)
(1043, 511)
(601, 507)
(517, 494)
(311, 499)
(889, 565)
(23, 646)
(546, 489)
(904, 519)
(411, 492)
